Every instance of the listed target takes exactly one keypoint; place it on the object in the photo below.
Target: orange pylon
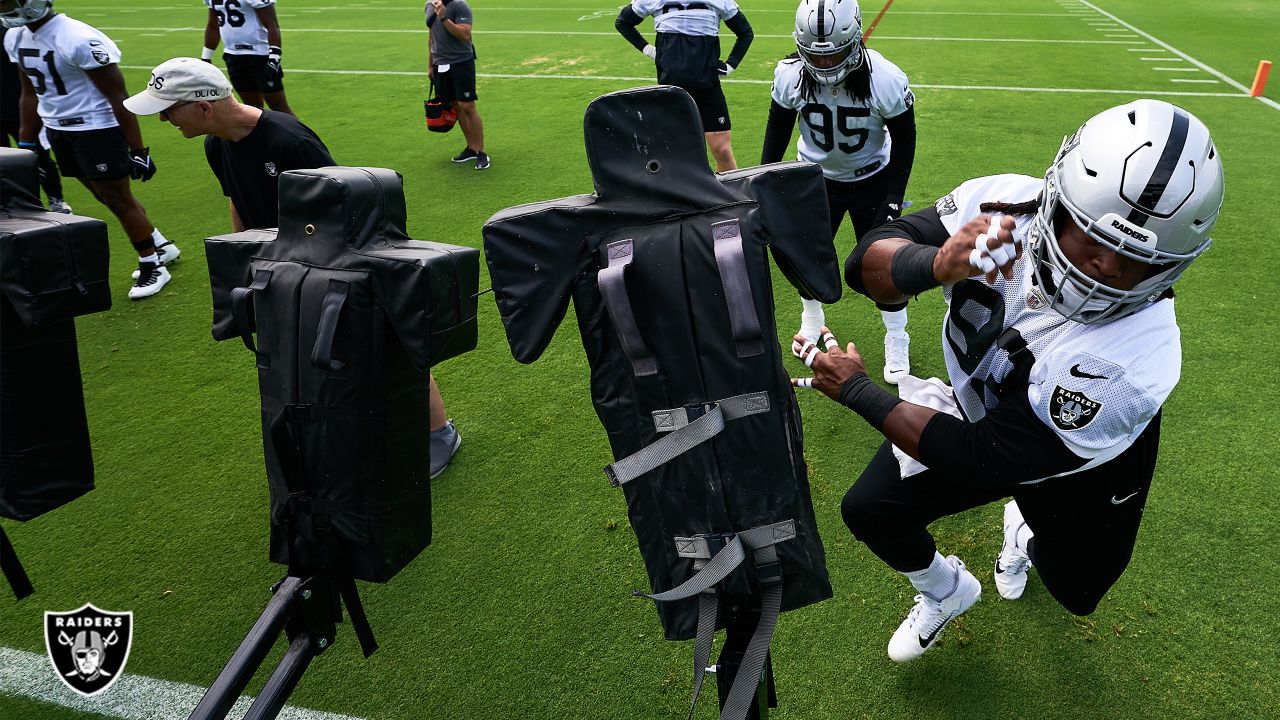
(1260, 80)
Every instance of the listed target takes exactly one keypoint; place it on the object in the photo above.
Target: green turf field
(521, 607)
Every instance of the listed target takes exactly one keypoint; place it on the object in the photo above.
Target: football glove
(141, 166)
(274, 71)
(889, 210)
(650, 52)
(724, 68)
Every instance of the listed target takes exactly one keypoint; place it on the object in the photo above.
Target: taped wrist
(864, 397)
(206, 54)
(912, 269)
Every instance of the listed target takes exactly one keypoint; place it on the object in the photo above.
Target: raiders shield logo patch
(102, 167)
(271, 168)
(1072, 410)
(101, 57)
(947, 205)
(88, 647)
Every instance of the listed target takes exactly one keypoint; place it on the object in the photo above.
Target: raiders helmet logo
(102, 167)
(271, 168)
(101, 56)
(88, 647)
(1072, 410)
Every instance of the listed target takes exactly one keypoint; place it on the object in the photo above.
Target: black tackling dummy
(666, 265)
(349, 315)
(53, 267)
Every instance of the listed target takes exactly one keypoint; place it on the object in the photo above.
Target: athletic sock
(153, 258)
(812, 315)
(936, 581)
(894, 320)
(156, 238)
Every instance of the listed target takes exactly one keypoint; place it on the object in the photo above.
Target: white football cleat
(151, 279)
(897, 351)
(168, 252)
(1013, 562)
(920, 630)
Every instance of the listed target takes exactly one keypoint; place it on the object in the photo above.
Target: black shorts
(712, 107)
(101, 154)
(860, 200)
(249, 73)
(459, 84)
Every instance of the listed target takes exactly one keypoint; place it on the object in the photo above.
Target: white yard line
(1189, 80)
(1221, 75)
(648, 79)
(134, 697)
(1177, 69)
(1161, 59)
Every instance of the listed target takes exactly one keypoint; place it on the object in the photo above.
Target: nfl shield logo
(271, 168)
(88, 647)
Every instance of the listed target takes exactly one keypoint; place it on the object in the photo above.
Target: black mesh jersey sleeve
(777, 133)
(626, 25)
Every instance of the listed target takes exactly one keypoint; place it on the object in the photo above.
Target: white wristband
(206, 54)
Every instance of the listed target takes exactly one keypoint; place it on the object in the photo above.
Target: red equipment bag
(441, 117)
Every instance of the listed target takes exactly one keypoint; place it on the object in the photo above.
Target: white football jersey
(242, 32)
(1095, 386)
(845, 136)
(55, 60)
(686, 18)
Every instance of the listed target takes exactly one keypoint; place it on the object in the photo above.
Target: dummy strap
(687, 428)
(716, 555)
(737, 288)
(613, 287)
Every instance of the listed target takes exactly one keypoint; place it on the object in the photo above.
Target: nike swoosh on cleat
(924, 641)
(1077, 372)
(1114, 501)
(999, 570)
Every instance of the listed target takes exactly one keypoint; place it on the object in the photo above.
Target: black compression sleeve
(777, 133)
(740, 27)
(922, 228)
(1008, 446)
(902, 155)
(866, 398)
(912, 269)
(626, 25)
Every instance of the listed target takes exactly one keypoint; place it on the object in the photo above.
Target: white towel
(933, 394)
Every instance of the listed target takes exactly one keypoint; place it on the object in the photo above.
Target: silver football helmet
(829, 37)
(1144, 180)
(16, 13)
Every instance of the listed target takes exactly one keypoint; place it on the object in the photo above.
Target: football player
(1060, 359)
(250, 35)
(71, 82)
(11, 124)
(687, 54)
(857, 123)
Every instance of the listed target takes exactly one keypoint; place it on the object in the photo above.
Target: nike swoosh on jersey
(1076, 371)
(1121, 501)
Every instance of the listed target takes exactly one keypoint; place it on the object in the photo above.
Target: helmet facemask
(1144, 181)
(828, 37)
(16, 13)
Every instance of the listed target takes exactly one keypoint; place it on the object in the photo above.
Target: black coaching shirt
(249, 169)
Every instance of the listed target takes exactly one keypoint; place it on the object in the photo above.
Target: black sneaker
(466, 154)
(482, 162)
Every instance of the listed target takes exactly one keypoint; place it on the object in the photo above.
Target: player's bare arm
(212, 37)
(954, 261)
(110, 82)
(29, 128)
(267, 16)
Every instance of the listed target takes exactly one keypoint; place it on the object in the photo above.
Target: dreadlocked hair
(857, 83)
(1030, 207)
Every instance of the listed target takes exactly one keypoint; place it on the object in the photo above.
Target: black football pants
(1085, 524)
(860, 200)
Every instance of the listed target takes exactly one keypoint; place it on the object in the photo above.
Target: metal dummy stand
(738, 631)
(306, 611)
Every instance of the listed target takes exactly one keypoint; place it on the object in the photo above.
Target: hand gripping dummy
(667, 268)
